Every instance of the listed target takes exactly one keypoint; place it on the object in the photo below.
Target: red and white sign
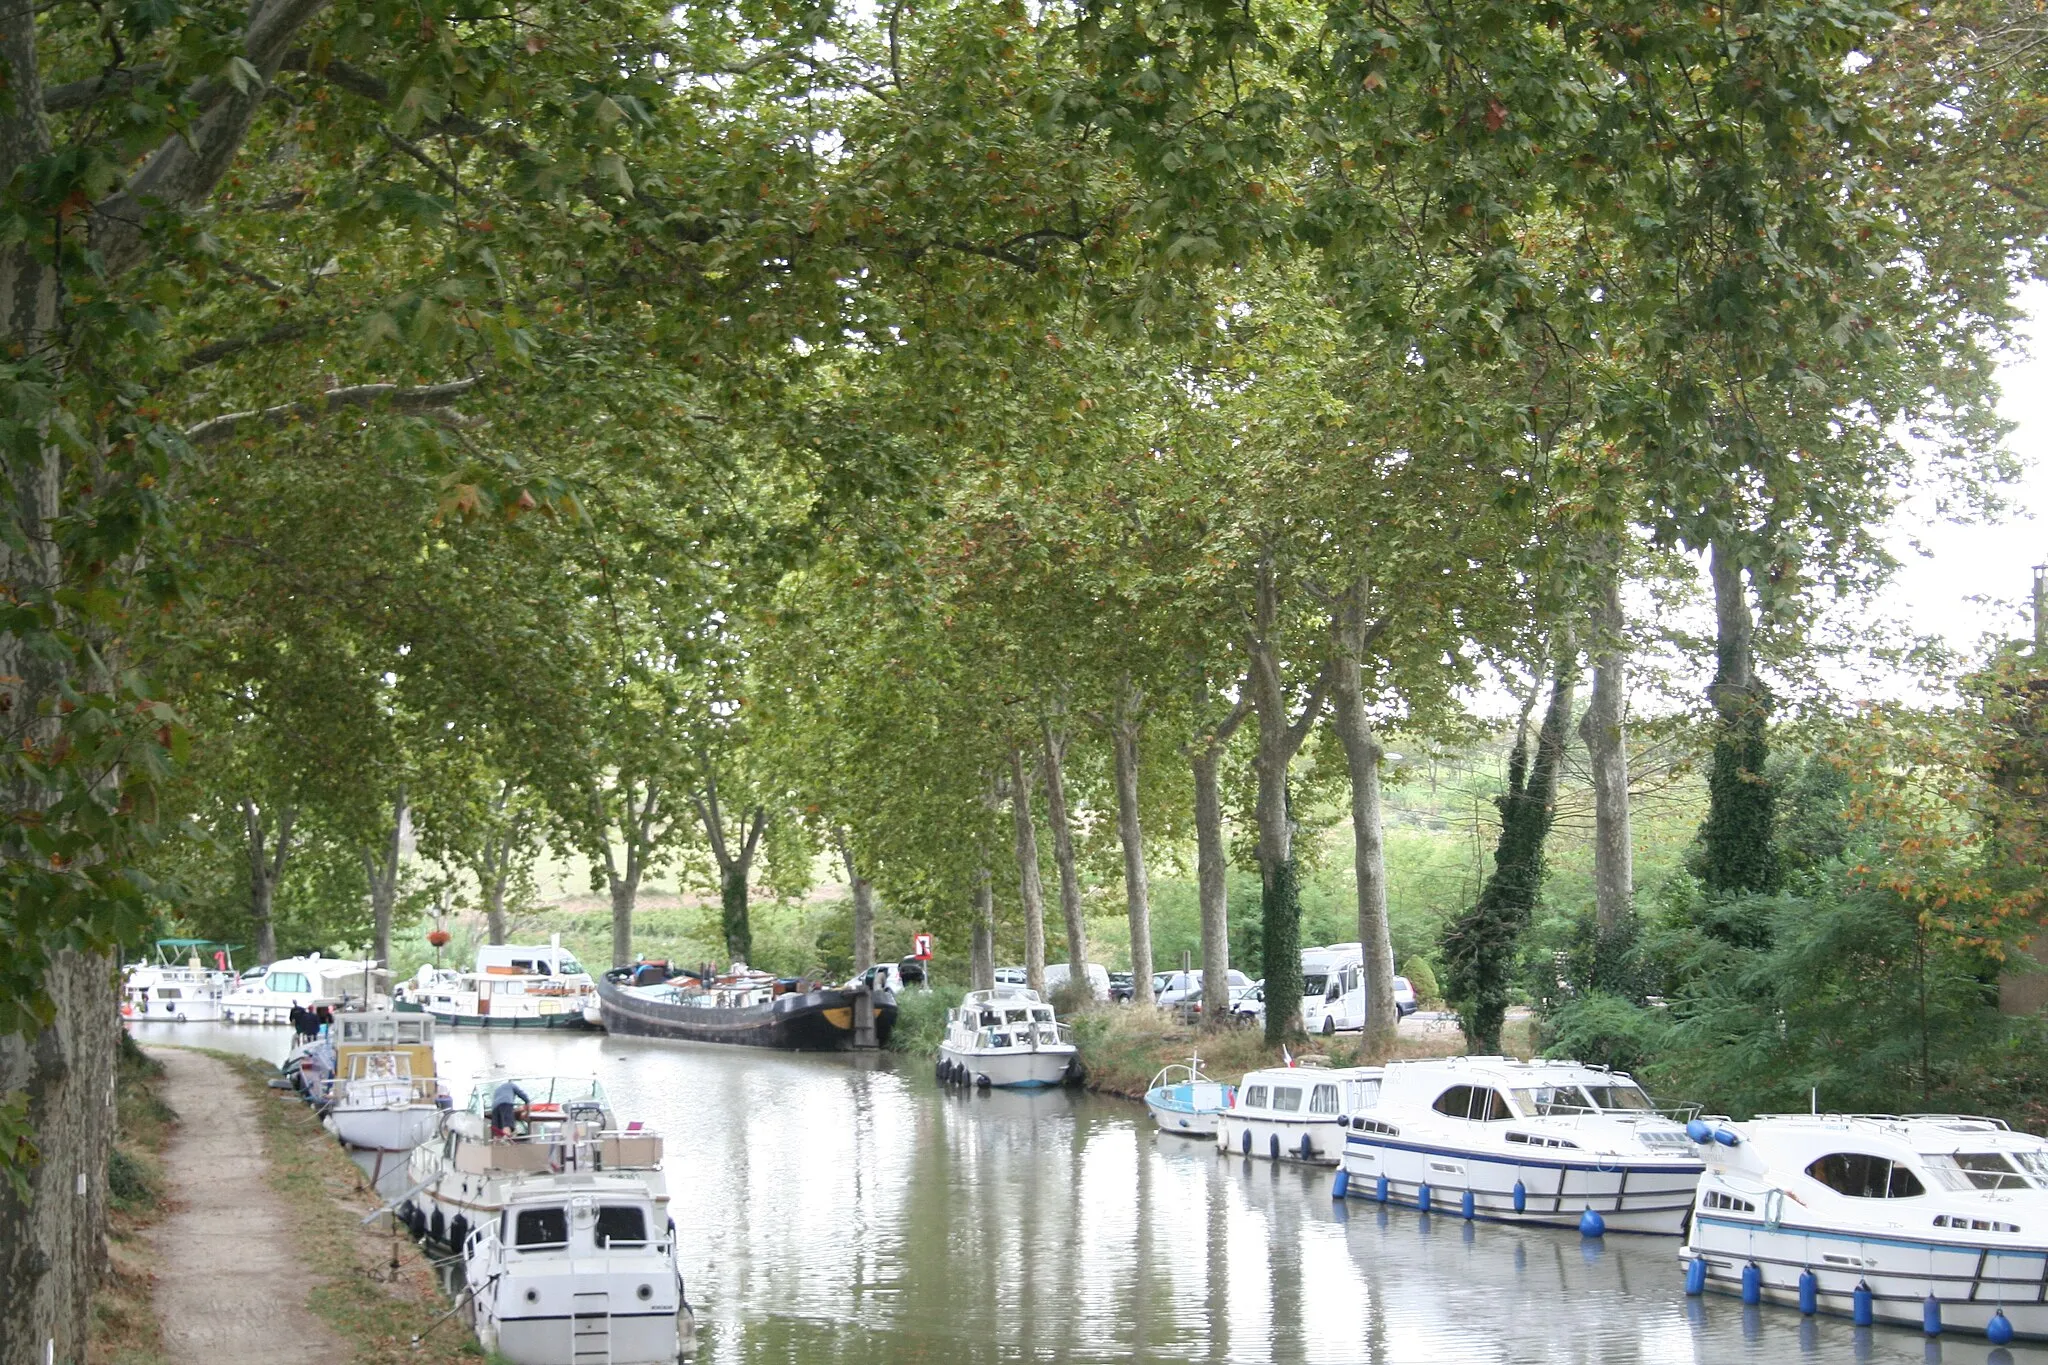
(921, 947)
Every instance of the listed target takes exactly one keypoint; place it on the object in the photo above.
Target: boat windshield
(2034, 1164)
(1626, 1098)
(1990, 1171)
(1545, 1100)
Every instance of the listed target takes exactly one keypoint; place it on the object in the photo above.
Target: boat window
(1364, 1094)
(1624, 1097)
(571, 967)
(620, 1223)
(541, 1228)
(1045, 1015)
(1862, 1176)
(1457, 1101)
(1016, 1016)
(289, 983)
(1544, 1100)
(1255, 1097)
(1323, 1100)
(1287, 1099)
(1489, 1106)
(1990, 1171)
(168, 993)
(2034, 1163)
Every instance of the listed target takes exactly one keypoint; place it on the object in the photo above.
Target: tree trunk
(266, 869)
(863, 910)
(1280, 738)
(1606, 739)
(494, 868)
(52, 1247)
(732, 907)
(1030, 890)
(1137, 889)
(383, 876)
(1063, 854)
(733, 865)
(1481, 946)
(1212, 862)
(1738, 839)
(625, 892)
(983, 963)
(1350, 636)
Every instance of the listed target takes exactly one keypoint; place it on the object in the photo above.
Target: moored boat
(171, 990)
(511, 986)
(1547, 1142)
(462, 1176)
(744, 1007)
(268, 996)
(1187, 1103)
(385, 1095)
(581, 1266)
(1006, 1037)
(1938, 1221)
(1294, 1113)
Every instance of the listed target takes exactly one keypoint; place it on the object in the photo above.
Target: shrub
(921, 1020)
(1606, 1030)
(1423, 978)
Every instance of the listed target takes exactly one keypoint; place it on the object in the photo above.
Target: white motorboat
(1553, 1143)
(171, 990)
(268, 995)
(385, 1096)
(512, 986)
(1185, 1102)
(1005, 1037)
(580, 1266)
(1932, 1220)
(462, 1176)
(1294, 1113)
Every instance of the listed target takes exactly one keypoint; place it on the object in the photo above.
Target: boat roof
(1926, 1131)
(197, 943)
(1512, 1072)
(1016, 995)
(551, 1186)
(1304, 1074)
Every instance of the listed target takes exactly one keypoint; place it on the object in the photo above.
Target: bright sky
(1932, 593)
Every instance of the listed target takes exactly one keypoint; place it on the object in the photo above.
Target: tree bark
(266, 870)
(638, 823)
(1063, 852)
(1738, 840)
(1606, 739)
(52, 1247)
(1212, 861)
(382, 872)
(863, 909)
(1126, 723)
(735, 860)
(1030, 890)
(493, 866)
(983, 964)
(1351, 634)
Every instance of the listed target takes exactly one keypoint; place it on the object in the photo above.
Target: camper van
(1333, 989)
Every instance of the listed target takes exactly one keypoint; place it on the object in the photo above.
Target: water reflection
(848, 1210)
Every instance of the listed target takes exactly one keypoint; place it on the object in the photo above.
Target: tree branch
(386, 397)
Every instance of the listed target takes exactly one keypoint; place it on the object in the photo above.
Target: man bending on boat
(508, 1107)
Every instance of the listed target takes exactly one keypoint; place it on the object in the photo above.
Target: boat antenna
(1816, 1099)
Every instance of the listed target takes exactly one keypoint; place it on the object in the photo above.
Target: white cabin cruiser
(179, 991)
(268, 997)
(512, 986)
(1185, 1102)
(579, 1266)
(1933, 1220)
(1005, 1037)
(1549, 1142)
(463, 1176)
(1295, 1113)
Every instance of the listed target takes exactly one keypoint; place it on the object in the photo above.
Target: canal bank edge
(376, 1290)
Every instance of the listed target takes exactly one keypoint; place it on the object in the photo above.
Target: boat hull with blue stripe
(1521, 1142)
(1927, 1221)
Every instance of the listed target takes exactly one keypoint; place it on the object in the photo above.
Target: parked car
(1250, 1005)
(1172, 988)
(1056, 977)
(1122, 987)
(1404, 997)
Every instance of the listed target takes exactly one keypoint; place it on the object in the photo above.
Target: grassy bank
(1124, 1048)
(124, 1327)
(376, 1289)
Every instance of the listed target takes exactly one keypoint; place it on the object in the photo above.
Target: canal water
(850, 1209)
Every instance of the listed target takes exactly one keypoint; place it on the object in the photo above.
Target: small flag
(1285, 1055)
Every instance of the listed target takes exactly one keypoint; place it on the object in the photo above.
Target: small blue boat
(1185, 1102)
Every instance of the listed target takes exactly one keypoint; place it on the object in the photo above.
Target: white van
(1056, 977)
(1333, 989)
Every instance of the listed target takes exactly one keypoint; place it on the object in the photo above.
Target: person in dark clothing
(506, 1103)
(298, 1021)
(325, 1019)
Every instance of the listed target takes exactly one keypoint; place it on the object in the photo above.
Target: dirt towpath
(230, 1286)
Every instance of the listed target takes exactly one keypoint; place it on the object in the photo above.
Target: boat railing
(358, 1091)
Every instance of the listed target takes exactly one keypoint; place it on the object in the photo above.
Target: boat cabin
(1006, 1017)
(1306, 1092)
